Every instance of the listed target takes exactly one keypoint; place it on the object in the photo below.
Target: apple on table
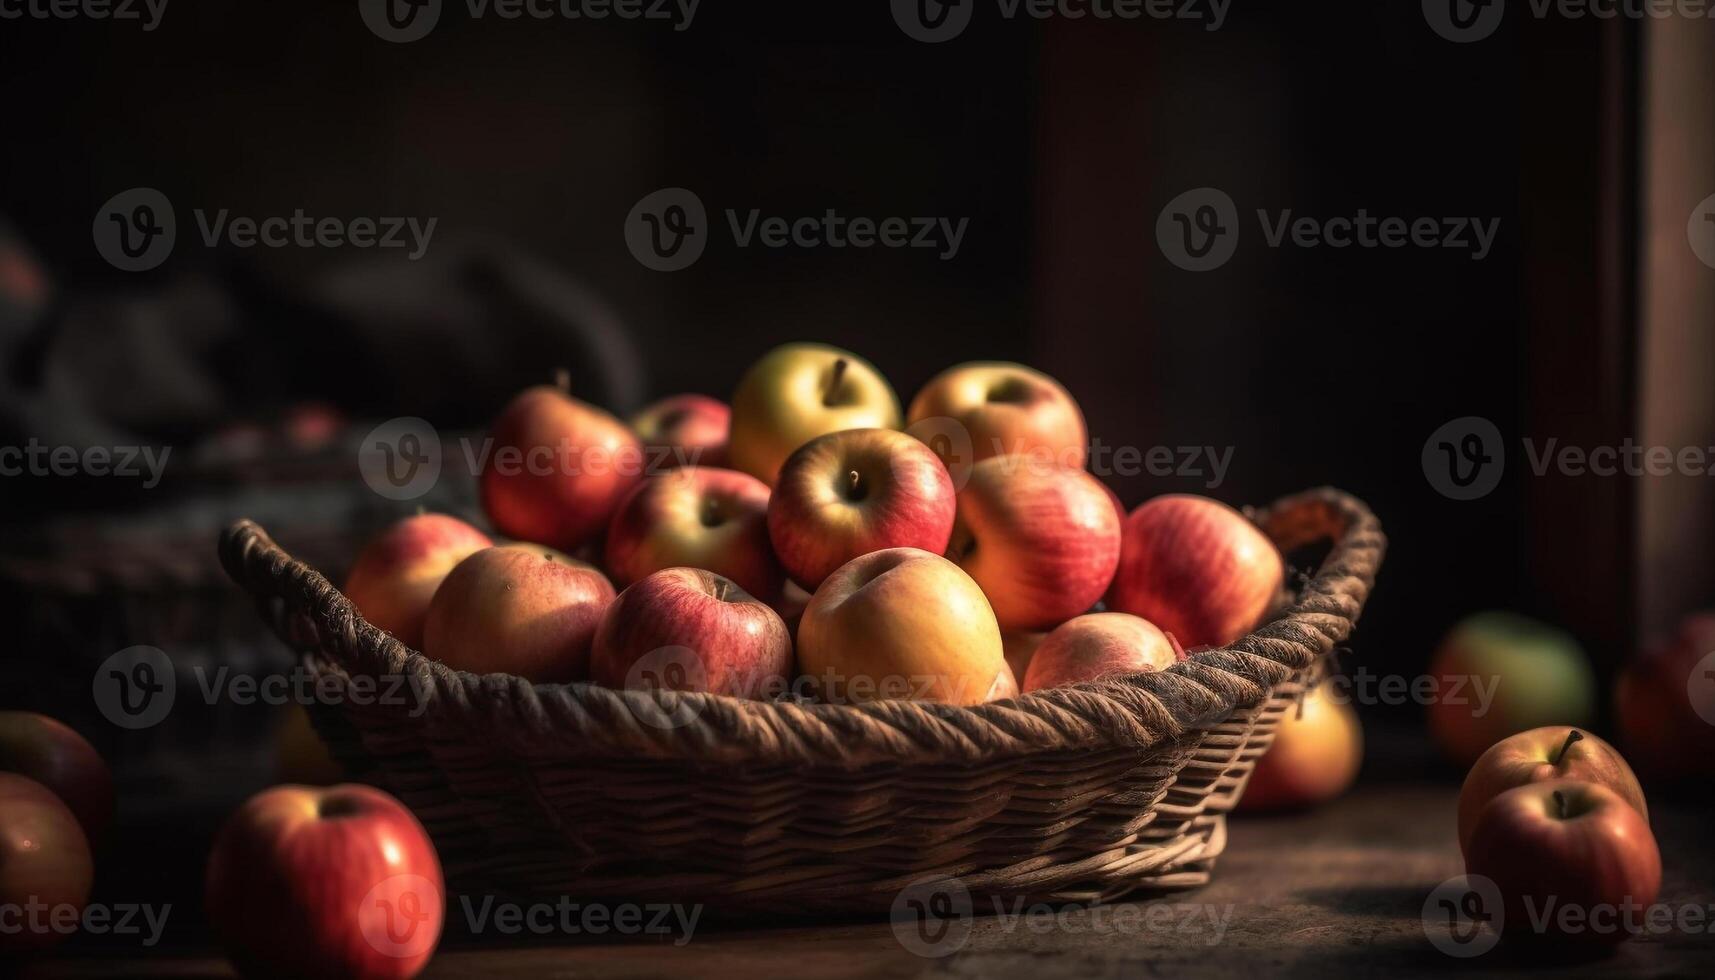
(1315, 756)
(1551, 752)
(1500, 673)
(53, 754)
(45, 866)
(1664, 703)
(701, 517)
(797, 392)
(398, 571)
(518, 609)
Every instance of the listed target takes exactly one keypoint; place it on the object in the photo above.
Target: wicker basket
(1076, 793)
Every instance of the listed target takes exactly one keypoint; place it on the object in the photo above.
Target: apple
(51, 753)
(399, 570)
(1499, 673)
(45, 867)
(1315, 756)
(798, 392)
(1664, 702)
(518, 609)
(1197, 569)
(684, 430)
(848, 493)
(1005, 684)
(692, 630)
(696, 516)
(556, 468)
(900, 623)
(1566, 844)
(1007, 409)
(1553, 752)
(311, 882)
(1043, 541)
(300, 755)
(1096, 645)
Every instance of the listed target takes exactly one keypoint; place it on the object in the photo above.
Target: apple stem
(1560, 803)
(1178, 651)
(563, 380)
(834, 382)
(1572, 736)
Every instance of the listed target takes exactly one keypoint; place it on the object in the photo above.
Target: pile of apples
(56, 803)
(815, 541)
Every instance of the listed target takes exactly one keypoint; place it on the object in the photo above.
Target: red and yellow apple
(1007, 409)
(692, 630)
(45, 866)
(700, 517)
(900, 623)
(1566, 844)
(684, 430)
(399, 570)
(1554, 752)
(518, 609)
(556, 468)
(335, 882)
(51, 753)
(798, 392)
(1314, 757)
(1096, 645)
(1197, 569)
(856, 491)
(1499, 673)
(1043, 541)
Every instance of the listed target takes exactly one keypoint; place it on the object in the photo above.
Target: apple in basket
(900, 623)
(1315, 757)
(698, 517)
(1097, 645)
(518, 609)
(689, 629)
(1553, 752)
(45, 866)
(398, 571)
(51, 753)
(684, 430)
(1003, 409)
(313, 882)
(856, 491)
(556, 468)
(1197, 569)
(797, 392)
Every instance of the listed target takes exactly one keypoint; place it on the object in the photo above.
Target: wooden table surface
(1326, 894)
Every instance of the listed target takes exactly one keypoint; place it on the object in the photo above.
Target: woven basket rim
(580, 719)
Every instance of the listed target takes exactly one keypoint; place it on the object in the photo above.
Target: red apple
(1664, 703)
(51, 753)
(700, 517)
(853, 492)
(399, 570)
(1554, 752)
(556, 468)
(1007, 409)
(518, 609)
(900, 623)
(45, 867)
(336, 882)
(798, 392)
(1315, 756)
(692, 630)
(1196, 568)
(1096, 645)
(684, 430)
(1043, 541)
(1566, 844)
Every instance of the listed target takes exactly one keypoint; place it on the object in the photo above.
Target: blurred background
(1585, 143)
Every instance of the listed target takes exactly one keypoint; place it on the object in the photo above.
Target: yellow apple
(1315, 756)
(798, 392)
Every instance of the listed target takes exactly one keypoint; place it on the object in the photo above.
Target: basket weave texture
(1076, 793)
